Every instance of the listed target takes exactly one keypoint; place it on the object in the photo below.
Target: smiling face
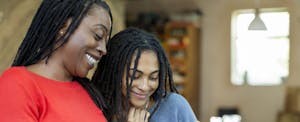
(87, 44)
(145, 80)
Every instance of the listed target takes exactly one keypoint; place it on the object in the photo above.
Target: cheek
(154, 85)
(81, 38)
(75, 44)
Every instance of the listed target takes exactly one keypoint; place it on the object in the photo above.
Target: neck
(50, 70)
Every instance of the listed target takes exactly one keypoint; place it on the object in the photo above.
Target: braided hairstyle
(41, 40)
(122, 48)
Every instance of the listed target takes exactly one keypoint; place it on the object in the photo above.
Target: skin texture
(70, 60)
(144, 83)
(145, 80)
(138, 115)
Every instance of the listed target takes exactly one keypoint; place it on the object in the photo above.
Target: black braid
(42, 37)
(108, 76)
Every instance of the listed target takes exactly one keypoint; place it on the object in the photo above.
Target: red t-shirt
(28, 97)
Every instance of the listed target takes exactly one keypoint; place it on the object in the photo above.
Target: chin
(81, 70)
(82, 74)
(138, 104)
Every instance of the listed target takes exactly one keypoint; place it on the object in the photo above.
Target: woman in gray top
(135, 76)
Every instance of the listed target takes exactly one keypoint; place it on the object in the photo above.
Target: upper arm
(17, 103)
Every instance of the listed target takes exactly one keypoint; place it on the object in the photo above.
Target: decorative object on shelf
(181, 43)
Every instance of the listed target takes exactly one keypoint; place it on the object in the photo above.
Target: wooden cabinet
(181, 41)
(289, 117)
(291, 112)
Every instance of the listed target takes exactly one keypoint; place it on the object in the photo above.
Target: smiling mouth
(139, 95)
(91, 60)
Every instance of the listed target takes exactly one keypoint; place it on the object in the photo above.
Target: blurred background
(228, 71)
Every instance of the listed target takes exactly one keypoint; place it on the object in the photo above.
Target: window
(260, 57)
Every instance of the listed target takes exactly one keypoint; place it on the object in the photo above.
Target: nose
(144, 85)
(101, 48)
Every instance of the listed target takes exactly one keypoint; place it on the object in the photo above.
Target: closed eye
(98, 37)
(135, 75)
(154, 76)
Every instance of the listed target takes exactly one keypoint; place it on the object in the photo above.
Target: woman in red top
(47, 81)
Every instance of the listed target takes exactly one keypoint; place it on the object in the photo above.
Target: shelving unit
(181, 42)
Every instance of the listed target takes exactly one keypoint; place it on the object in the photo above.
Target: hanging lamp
(257, 23)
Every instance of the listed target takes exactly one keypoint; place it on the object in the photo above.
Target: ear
(65, 27)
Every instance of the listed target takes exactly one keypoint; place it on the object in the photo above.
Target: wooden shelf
(181, 42)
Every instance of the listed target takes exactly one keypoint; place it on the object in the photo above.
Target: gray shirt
(173, 108)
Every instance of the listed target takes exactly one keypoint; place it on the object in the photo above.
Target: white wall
(257, 104)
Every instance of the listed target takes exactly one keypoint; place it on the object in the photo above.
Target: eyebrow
(143, 72)
(102, 26)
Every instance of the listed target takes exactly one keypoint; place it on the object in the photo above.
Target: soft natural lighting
(226, 118)
(215, 119)
(260, 57)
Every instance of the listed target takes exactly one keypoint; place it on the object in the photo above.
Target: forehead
(148, 59)
(98, 16)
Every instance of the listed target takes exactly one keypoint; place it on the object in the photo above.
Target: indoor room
(232, 60)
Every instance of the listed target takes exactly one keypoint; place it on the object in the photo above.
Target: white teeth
(90, 60)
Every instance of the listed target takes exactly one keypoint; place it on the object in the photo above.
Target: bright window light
(260, 57)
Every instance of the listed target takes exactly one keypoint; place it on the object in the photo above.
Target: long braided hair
(122, 48)
(41, 39)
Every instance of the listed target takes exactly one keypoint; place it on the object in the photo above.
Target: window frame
(234, 38)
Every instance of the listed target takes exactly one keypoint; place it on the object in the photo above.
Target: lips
(139, 95)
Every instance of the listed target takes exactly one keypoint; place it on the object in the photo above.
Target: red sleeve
(17, 103)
